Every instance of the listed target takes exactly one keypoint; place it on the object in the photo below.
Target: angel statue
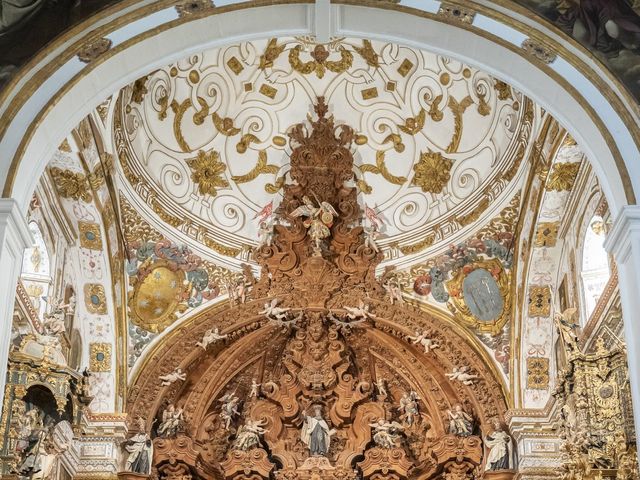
(273, 312)
(172, 421)
(394, 292)
(249, 435)
(210, 336)
(265, 234)
(172, 377)
(319, 221)
(461, 374)
(381, 387)
(409, 407)
(385, 433)
(424, 340)
(229, 409)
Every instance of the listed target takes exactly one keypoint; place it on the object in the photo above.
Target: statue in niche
(460, 422)
(386, 434)
(249, 435)
(140, 449)
(229, 409)
(172, 421)
(381, 387)
(316, 434)
(54, 321)
(409, 407)
(500, 456)
(567, 326)
(319, 221)
(255, 388)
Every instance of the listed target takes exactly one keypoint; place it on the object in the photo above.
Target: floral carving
(432, 172)
(207, 172)
(71, 184)
(563, 176)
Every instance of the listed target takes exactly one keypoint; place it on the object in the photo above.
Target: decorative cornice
(625, 227)
(12, 218)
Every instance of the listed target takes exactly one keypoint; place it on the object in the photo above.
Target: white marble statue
(249, 435)
(210, 337)
(229, 409)
(424, 340)
(385, 433)
(316, 434)
(172, 377)
(273, 312)
(461, 375)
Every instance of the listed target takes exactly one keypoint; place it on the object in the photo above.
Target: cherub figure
(172, 377)
(273, 312)
(394, 292)
(319, 221)
(361, 312)
(424, 340)
(371, 234)
(211, 336)
(229, 409)
(461, 375)
(255, 388)
(385, 433)
(265, 234)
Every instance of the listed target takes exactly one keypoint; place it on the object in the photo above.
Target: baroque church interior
(313, 240)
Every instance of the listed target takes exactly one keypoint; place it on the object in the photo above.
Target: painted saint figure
(316, 434)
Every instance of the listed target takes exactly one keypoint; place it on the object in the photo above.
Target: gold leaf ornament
(432, 172)
(261, 168)
(413, 125)
(380, 168)
(224, 125)
(207, 172)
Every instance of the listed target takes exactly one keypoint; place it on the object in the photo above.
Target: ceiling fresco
(438, 146)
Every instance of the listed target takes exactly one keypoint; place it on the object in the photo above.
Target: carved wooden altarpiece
(337, 345)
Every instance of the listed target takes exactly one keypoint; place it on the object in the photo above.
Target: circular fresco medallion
(482, 295)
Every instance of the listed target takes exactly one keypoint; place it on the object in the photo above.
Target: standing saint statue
(316, 434)
(500, 455)
(140, 450)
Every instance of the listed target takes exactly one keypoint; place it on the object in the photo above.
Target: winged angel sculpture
(319, 220)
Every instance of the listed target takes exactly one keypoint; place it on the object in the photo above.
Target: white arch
(576, 102)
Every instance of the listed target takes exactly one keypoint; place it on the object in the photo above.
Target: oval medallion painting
(482, 295)
(157, 298)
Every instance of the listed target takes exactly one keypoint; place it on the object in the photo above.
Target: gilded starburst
(207, 172)
(432, 172)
